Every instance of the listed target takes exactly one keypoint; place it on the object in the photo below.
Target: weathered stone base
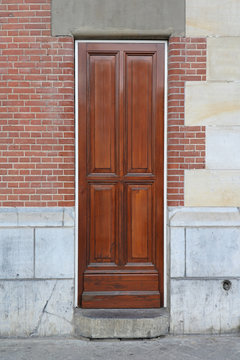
(36, 271)
(121, 324)
(205, 251)
(202, 306)
(36, 307)
(37, 277)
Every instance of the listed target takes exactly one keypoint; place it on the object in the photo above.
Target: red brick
(37, 96)
(183, 142)
(36, 100)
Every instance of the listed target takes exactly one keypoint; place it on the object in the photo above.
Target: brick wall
(36, 108)
(186, 144)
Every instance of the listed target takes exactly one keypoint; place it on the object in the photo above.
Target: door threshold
(121, 323)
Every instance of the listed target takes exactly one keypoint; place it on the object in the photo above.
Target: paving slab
(167, 348)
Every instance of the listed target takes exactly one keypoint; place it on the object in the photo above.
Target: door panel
(139, 73)
(139, 223)
(121, 97)
(103, 223)
(121, 282)
(121, 299)
(102, 113)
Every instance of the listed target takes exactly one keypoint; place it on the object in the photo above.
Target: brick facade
(37, 109)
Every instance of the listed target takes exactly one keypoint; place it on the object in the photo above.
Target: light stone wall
(215, 103)
(215, 187)
(223, 58)
(205, 251)
(205, 235)
(212, 18)
(36, 271)
(212, 103)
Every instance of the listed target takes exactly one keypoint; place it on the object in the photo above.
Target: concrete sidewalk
(168, 348)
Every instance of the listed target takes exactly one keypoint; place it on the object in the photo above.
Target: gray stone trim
(85, 33)
(37, 279)
(113, 19)
(36, 217)
(204, 217)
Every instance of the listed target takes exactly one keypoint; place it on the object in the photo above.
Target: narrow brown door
(121, 105)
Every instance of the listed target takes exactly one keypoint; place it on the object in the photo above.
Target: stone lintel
(87, 19)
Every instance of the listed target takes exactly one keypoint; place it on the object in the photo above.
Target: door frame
(165, 233)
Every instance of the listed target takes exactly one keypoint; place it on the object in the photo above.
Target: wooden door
(121, 112)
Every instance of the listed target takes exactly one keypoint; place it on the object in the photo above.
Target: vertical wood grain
(139, 112)
(103, 234)
(121, 112)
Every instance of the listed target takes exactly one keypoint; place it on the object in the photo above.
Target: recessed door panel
(103, 223)
(139, 222)
(139, 98)
(102, 113)
(121, 103)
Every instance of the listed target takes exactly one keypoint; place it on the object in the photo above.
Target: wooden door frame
(165, 255)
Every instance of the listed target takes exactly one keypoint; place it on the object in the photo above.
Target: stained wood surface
(121, 111)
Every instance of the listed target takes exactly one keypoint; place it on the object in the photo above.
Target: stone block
(40, 216)
(54, 253)
(113, 18)
(213, 103)
(209, 18)
(212, 188)
(177, 241)
(223, 147)
(69, 217)
(212, 252)
(121, 323)
(8, 217)
(16, 253)
(204, 216)
(36, 308)
(58, 314)
(204, 307)
(223, 58)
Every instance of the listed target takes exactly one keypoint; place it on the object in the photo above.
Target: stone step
(121, 323)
